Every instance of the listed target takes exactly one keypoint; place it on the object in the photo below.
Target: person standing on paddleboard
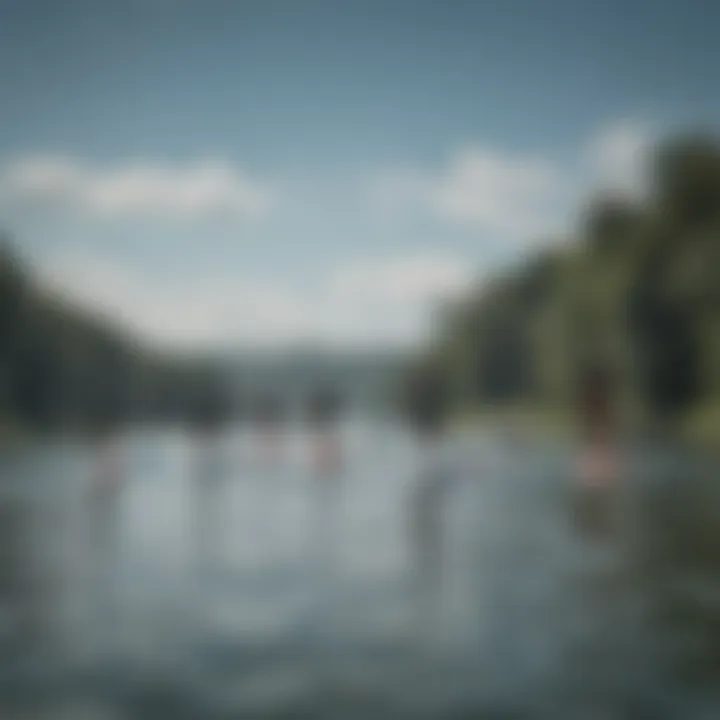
(209, 420)
(107, 482)
(426, 409)
(324, 408)
(597, 467)
(269, 419)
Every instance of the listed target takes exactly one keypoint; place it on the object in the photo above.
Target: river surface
(240, 582)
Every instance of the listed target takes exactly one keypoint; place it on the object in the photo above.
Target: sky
(231, 173)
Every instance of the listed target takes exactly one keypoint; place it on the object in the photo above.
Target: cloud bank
(516, 197)
(505, 200)
(476, 189)
(356, 303)
(618, 157)
(200, 189)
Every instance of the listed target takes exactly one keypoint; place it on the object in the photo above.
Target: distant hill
(364, 377)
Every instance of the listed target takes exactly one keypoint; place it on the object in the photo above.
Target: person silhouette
(269, 418)
(108, 466)
(209, 422)
(426, 408)
(322, 412)
(597, 467)
(322, 415)
(324, 408)
(107, 480)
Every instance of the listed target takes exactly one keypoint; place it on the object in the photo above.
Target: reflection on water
(216, 581)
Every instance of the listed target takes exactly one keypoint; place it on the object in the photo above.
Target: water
(302, 600)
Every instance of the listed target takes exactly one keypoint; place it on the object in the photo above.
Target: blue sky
(223, 172)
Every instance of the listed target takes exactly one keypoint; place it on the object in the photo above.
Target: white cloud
(483, 189)
(173, 311)
(618, 155)
(137, 188)
(480, 189)
(516, 197)
(359, 302)
(416, 278)
(392, 299)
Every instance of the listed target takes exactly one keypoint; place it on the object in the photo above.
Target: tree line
(636, 290)
(64, 368)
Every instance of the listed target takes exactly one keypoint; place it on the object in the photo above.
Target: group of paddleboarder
(426, 407)
(269, 414)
